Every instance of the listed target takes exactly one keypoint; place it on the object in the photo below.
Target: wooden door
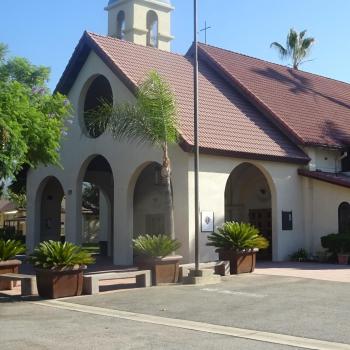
(262, 219)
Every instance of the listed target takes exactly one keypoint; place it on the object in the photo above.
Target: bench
(91, 281)
(28, 282)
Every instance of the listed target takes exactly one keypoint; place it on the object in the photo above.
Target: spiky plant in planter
(9, 249)
(59, 268)
(238, 242)
(153, 252)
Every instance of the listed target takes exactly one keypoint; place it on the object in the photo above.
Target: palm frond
(10, 248)
(155, 245)
(59, 256)
(282, 51)
(238, 236)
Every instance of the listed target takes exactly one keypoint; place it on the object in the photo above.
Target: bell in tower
(144, 22)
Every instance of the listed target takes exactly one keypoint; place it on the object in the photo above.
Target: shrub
(54, 255)
(299, 255)
(155, 245)
(10, 248)
(336, 242)
(10, 233)
(238, 236)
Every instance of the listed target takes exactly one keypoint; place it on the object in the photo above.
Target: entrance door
(262, 219)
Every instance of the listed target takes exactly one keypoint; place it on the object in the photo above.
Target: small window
(345, 162)
(152, 29)
(344, 217)
(121, 25)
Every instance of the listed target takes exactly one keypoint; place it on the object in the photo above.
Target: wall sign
(207, 221)
(287, 220)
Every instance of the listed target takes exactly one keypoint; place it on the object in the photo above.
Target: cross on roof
(205, 29)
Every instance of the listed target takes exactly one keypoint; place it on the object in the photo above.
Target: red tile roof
(314, 110)
(333, 178)
(229, 123)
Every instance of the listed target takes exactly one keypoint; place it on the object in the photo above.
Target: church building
(274, 145)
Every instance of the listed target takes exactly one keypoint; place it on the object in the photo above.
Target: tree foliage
(32, 120)
(151, 120)
(297, 47)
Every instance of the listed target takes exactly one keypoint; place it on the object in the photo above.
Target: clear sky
(46, 31)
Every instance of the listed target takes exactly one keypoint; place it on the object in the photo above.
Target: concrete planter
(59, 284)
(164, 270)
(343, 259)
(9, 266)
(240, 261)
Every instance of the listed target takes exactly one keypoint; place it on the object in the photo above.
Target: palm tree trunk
(166, 176)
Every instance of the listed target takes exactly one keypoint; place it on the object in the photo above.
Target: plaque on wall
(207, 218)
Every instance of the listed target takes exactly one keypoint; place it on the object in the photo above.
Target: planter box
(164, 270)
(9, 266)
(240, 262)
(59, 284)
(343, 259)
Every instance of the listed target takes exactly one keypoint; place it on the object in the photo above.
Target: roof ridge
(276, 64)
(134, 44)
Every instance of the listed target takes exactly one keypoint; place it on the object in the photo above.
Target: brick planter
(164, 270)
(59, 284)
(9, 266)
(240, 262)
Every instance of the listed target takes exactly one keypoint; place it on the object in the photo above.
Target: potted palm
(59, 268)
(339, 245)
(8, 264)
(154, 252)
(238, 242)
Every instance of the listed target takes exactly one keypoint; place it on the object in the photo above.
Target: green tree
(297, 47)
(32, 120)
(151, 120)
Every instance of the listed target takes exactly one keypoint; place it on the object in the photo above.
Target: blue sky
(46, 32)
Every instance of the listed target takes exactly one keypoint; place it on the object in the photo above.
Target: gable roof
(312, 109)
(229, 124)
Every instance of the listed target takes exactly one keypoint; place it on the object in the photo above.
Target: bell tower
(144, 22)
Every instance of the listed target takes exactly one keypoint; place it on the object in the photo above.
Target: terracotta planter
(164, 270)
(59, 284)
(9, 266)
(343, 259)
(240, 262)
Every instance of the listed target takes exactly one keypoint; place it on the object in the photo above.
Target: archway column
(73, 224)
(33, 219)
(122, 243)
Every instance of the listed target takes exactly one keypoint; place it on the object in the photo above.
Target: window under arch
(152, 29)
(344, 217)
(99, 92)
(121, 25)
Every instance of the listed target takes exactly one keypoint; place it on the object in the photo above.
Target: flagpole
(196, 140)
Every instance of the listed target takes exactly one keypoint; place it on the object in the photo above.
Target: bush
(54, 255)
(155, 246)
(10, 248)
(336, 243)
(299, 255)
(238, 236)
(9, 232)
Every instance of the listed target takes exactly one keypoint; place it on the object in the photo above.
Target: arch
(50, 206)
(96, 91)
(250, 197)
(344, 218)
(121, 25)
(152, 29)
(96, 176)
(150, 201)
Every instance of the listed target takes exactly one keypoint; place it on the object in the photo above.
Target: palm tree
(297, 47)
(151, 120)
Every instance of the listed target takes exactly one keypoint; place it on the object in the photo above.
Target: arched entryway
(97, 183)
(52, 211)
(248, 199)
(151, 203)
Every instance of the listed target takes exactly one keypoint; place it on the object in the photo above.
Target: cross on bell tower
(146, 22)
